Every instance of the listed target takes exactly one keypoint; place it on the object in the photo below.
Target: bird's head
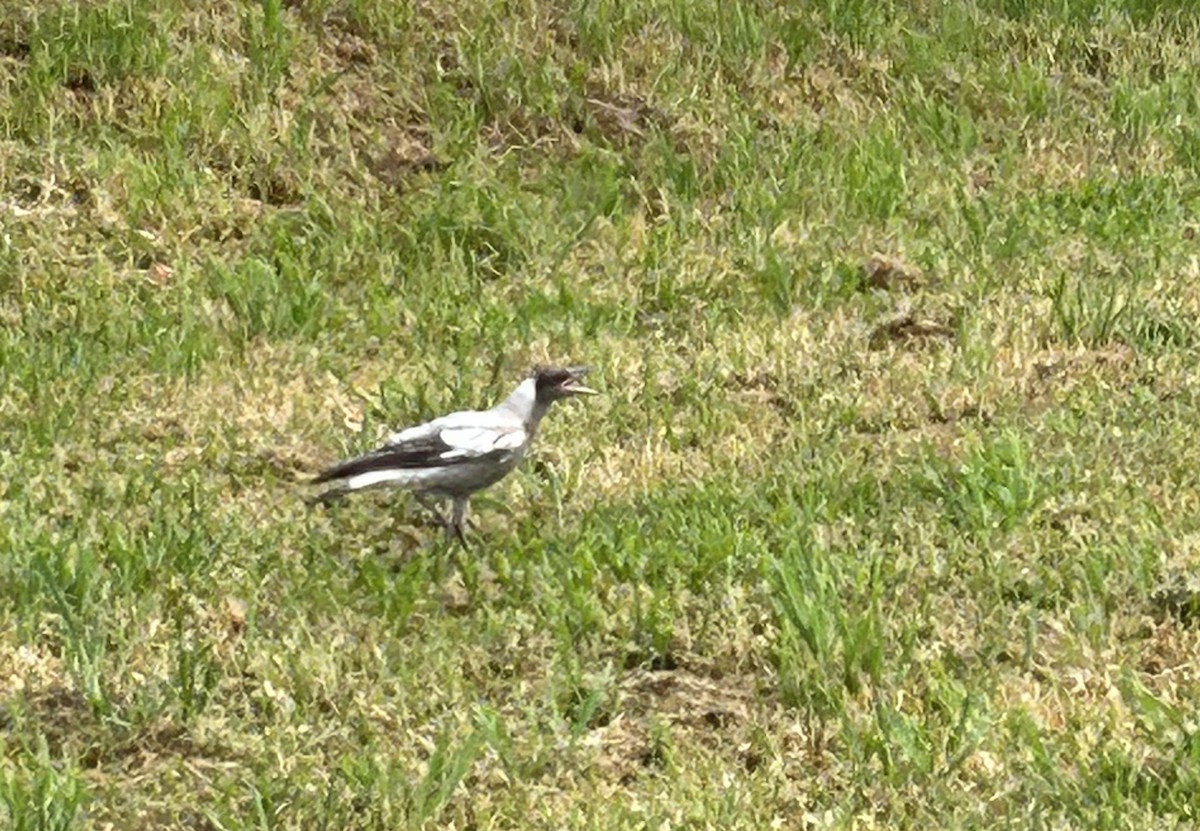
(555, 382)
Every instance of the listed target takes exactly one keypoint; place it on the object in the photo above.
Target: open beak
(574, 387)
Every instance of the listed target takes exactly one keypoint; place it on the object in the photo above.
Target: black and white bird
(456, 455)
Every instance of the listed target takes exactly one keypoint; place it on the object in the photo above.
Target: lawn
(887, 516)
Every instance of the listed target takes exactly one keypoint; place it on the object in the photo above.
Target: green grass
(834, 550)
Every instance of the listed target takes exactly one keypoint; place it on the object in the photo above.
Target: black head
(555, 382)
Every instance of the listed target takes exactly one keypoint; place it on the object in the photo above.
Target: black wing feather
(423, 452)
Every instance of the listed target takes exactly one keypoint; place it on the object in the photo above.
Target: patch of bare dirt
(1168, 653)
(890, 274)
(716, 713)
(278, 187)
(1058, 371)
(1176, 598)
(14, 48)
(391, 135)
(65, 718)
(16, 30)
(351, 48)
(402, 157)
(765, 386)
(622, 119)
(907, 327)
(1062, 364)
(60, 709)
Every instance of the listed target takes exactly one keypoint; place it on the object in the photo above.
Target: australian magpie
(458, 454)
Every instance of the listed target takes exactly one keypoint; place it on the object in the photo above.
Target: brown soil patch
(716, 713)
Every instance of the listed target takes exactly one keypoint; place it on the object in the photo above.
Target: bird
(457, 455)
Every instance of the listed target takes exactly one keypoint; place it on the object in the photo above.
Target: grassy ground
(888, 517)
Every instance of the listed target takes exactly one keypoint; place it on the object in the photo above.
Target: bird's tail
(332, 474)
(327, 497)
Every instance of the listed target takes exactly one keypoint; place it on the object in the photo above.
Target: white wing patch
(466, 420)
(421, 431)
(479, 441)
(512, 440)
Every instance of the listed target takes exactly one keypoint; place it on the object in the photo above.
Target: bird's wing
(443, 442)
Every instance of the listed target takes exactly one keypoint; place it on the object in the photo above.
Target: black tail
(338, 471)
(326, 497)
(352, 467)
(412, 454)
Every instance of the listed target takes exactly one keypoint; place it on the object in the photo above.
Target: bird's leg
(457, 524)
(432, 507)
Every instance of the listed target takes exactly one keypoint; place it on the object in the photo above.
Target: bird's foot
(456, 532)
(452, 527)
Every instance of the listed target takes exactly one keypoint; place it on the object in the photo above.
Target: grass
(886, 518)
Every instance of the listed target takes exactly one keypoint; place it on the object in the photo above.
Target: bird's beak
(574, 387)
